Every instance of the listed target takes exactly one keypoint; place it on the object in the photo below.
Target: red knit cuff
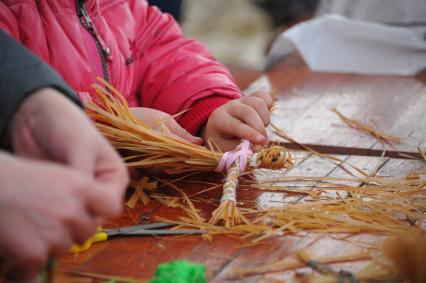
(200, 111)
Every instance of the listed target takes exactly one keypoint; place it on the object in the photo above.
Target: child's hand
(163, 123)
(244, 118)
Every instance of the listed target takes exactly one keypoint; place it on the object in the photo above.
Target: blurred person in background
(172, 7)
(285, 13)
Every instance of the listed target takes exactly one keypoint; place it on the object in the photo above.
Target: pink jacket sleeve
(177, 73)
(8, 22)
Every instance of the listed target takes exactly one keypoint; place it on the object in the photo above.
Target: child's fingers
(259, 106)
(228, 144)
(249, 116)
(177, 130)
(164, 123)
(236, 128)
(264, 96)
(257, 147)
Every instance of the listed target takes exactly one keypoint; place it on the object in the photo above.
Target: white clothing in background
(399, 12)
(386, 37)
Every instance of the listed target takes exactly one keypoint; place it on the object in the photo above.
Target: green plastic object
(180, 271)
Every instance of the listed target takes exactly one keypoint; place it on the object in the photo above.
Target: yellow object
(100, 236)
(150, 229)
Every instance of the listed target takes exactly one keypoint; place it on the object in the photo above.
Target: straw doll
(147, 148)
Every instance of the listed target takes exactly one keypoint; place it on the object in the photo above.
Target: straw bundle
(145, 147)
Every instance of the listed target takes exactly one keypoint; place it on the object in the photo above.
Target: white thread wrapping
(253, 161)
(230, 197)
(231, 183)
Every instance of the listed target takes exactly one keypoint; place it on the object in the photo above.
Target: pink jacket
(141, 51)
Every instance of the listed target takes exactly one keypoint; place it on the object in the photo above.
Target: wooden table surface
(397, 105)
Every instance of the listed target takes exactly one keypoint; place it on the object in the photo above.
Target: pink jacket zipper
(98, 51)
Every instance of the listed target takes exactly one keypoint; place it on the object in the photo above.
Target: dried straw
(422, 153)
(76, 274)
(379, 135)
(370, 204)
(147, 148)
(385, 205)
(144, 146)
(295, 262)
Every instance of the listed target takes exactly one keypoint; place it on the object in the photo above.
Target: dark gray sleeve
(22, 73)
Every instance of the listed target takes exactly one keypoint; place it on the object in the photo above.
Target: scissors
(152, 229)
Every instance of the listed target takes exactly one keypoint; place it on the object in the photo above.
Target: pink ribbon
(230, 157)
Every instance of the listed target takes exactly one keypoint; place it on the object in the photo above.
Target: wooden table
(397, 105)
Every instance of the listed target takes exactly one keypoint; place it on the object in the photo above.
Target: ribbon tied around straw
(229, 157)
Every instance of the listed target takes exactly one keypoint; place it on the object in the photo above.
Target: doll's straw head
(275, 157)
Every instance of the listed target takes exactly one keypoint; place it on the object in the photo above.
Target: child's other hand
(244, 118)
(163, 123)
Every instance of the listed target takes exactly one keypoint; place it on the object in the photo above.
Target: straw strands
(365, 204)
(379, 135)
(360, 203)
(144, 146)
(386, 205)
(294, 262)
(381, 204)
(76, 276)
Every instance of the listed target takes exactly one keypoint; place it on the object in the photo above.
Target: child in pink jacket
(143, 53)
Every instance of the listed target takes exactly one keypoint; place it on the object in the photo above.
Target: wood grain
(396, 105)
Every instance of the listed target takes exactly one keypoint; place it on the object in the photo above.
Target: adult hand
(44, 208)
(163, 123)
(244, 118)
(47, 126)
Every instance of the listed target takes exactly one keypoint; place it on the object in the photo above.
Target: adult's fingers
(259, 106)
(53, 226)
(26, 262)
(107, 178)
(82, 159)
(80, 225)
(95, 196)
(249, 116)
(109, 167)
(22, 274)
(103, 200)
(23, 142)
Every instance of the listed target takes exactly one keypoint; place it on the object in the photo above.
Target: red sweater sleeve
(177, 73)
